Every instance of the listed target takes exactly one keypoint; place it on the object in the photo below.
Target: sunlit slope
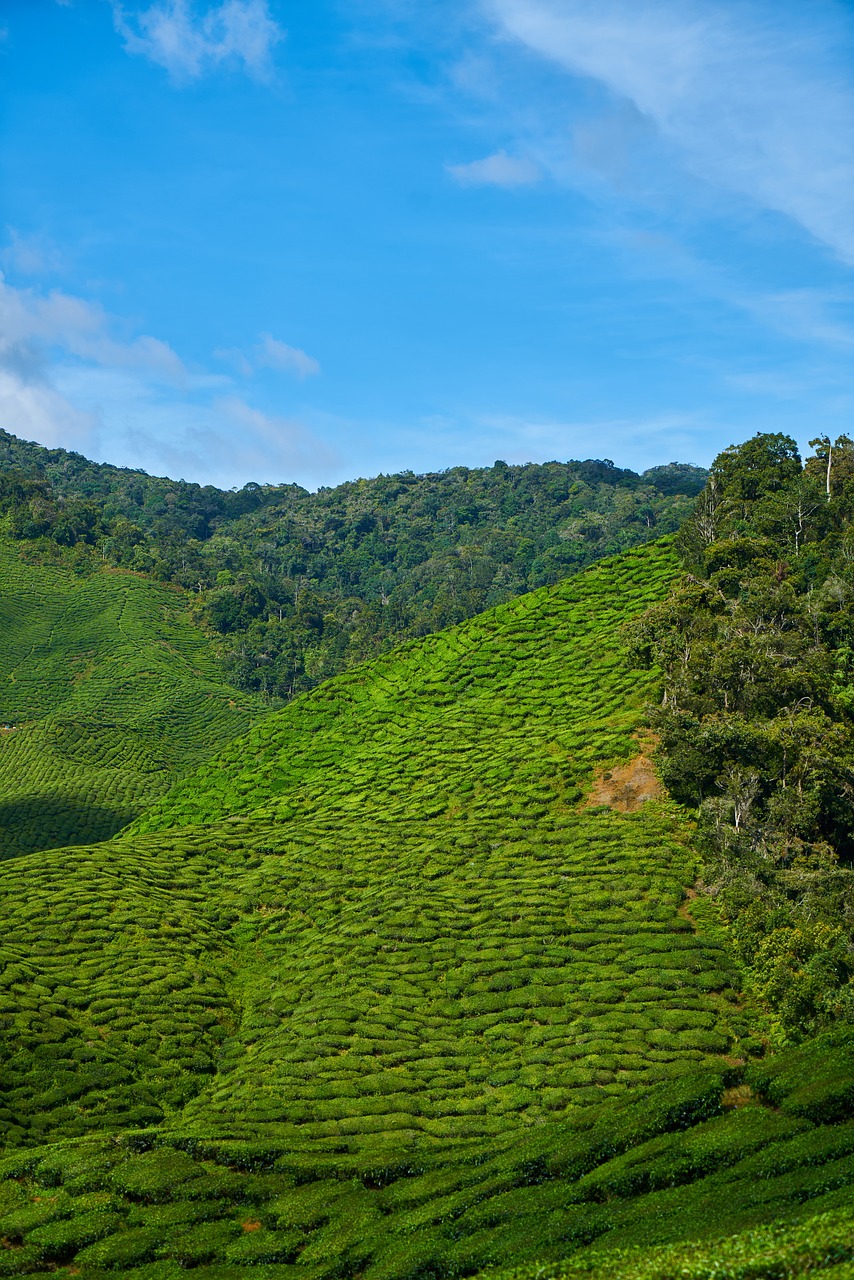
(673, 1181)
(424, 932)
(501, 717)
(112, 694)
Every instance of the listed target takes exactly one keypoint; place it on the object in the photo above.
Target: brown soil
(685, 909)
(625, 787)
(739, 1096)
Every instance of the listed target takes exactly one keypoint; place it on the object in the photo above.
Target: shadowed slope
(111, 693)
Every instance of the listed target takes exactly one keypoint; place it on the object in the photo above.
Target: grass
(112, 693)
(373, 993)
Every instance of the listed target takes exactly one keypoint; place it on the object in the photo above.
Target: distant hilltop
(300, 585)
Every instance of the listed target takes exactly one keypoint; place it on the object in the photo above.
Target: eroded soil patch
(625, 787)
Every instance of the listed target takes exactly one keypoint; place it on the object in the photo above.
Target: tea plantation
(108, 693)
(378, 993)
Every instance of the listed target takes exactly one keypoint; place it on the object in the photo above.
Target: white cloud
(274, 354)
(66, 380)
(633, 442)
(808, 315)
(35, 410)
(32, 324)
(497, 170)
(269, 353)
(189, 44)
(607, 144)
(755, 96)
(235, 357)
(30, 255)
(219, 439)
(770, 383)
(284, 445)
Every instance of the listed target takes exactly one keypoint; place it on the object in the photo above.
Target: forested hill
(301, 585)
(756, 646)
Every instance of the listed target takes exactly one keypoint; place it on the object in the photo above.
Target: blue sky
(278, 240)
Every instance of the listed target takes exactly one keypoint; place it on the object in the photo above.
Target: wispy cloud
(497, 170)
(633, 441)
(32, 324)
(67, 379)
(769, 383)
(34, 409)
(269, 353)
(189, 43)
(273, 354)
(30, 255)
(809, 315)
(817, 316)
(217, 439)
(755, 97)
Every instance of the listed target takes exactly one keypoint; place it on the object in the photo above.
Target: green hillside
(377, 992)
(298, 585)
(108, 693)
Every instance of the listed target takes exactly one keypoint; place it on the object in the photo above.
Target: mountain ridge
(298, 586)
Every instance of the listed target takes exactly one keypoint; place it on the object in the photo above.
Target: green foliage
(498, 719)
(756, 719)
(817, 1244)
(371, 969)
(642, 1186)
(108, 693)
(382, 911)
(301, 586)
(374, 992)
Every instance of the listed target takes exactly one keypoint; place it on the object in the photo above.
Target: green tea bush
(109, 694)
(605, 1189)
(344, 1004)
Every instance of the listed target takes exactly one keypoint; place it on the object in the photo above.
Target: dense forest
(756, 719)
(301, 585)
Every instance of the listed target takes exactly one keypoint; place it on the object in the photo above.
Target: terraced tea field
(108, 694)
(504, 717)
(375, 993)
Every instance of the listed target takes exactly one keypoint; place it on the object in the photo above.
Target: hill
(408, 982)
(108, 693)
(298, 586)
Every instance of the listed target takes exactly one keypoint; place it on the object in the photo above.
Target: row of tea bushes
(114, 992)
(462, 980)
(442, 982)
(376, 994)
(108, 693)
(615, 1190)
(816, 1244)
(505, 715)
(64, 782)
(463, 973)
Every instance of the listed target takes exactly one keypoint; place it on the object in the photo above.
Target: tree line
(300, 585)
(756, 719)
